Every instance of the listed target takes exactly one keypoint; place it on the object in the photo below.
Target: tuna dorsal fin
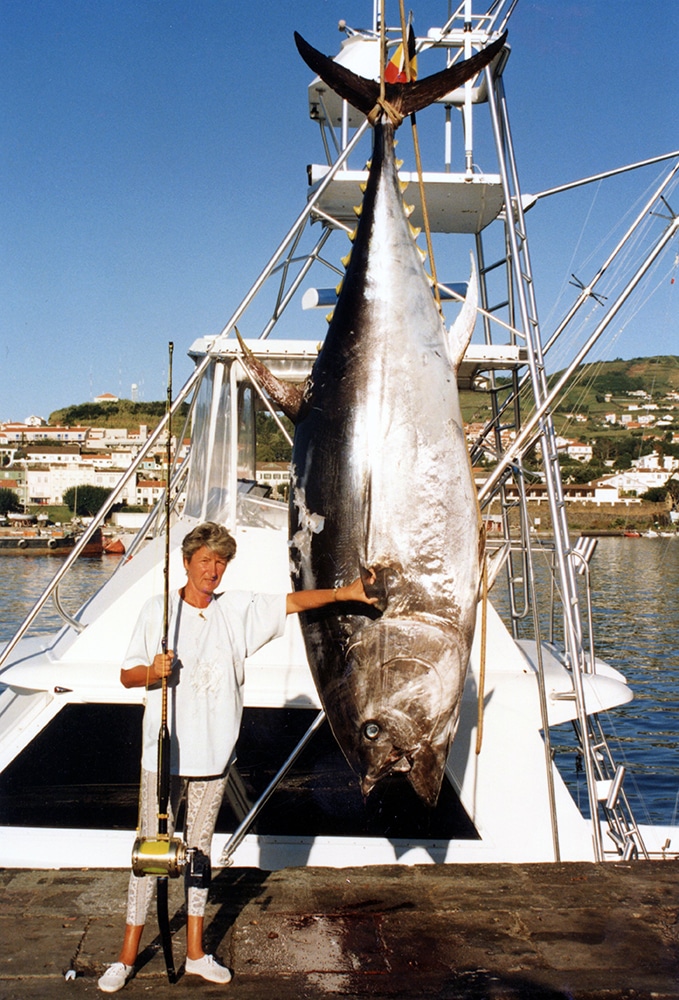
(405, 98)
(461, 331)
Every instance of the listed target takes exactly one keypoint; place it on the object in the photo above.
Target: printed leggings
(203, 799)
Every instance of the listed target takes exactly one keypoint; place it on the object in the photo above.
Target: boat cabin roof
(293, 360)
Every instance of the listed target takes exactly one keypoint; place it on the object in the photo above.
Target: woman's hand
(161, 666)
(146, 675)
(354, 592)
(307, 600)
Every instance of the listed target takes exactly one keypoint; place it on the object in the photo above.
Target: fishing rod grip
(163, 778)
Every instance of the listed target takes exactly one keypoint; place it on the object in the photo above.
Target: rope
(384, 107)
(383, 52)
(418, 162)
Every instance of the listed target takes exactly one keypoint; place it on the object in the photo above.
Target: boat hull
(47, 545)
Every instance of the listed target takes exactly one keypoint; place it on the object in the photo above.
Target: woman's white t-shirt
(205, 692)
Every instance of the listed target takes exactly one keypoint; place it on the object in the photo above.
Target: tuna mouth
(403, 692)
(398, 762)
(423, 767)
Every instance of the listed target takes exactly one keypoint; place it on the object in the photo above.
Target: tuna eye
(371, 730)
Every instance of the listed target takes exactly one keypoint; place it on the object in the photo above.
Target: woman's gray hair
(214, 536)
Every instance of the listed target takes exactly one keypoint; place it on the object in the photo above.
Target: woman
(211, 635)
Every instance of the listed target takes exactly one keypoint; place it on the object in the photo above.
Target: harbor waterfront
(636, 621)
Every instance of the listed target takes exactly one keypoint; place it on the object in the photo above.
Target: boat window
(207, 494)
(246, 432)
(52, 783)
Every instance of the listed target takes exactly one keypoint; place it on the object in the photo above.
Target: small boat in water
(293, 798)
(114, 547)
(46, 541)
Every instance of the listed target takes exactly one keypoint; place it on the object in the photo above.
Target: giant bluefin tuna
(381, 478)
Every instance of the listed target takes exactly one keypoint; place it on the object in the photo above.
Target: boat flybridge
(292, 799)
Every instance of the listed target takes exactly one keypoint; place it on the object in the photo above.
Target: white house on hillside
(652, 462)
(580, 452)
(47, 485)
(637, 481)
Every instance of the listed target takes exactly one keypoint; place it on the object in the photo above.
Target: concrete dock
(457, 932)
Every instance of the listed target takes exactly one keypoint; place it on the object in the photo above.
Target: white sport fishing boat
(293, 799)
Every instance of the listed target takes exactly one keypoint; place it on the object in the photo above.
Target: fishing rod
(164, 743)
(163, 856)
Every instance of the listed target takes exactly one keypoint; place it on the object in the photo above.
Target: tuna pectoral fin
(494, 563)
(287, 396)
(404, 98)
(462, 329)
(380, 581)
(426, 773)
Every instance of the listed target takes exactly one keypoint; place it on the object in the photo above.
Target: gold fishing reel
(159, 856)
(170, 857)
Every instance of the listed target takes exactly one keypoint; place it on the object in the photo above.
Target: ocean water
(635, 613)
(23, 579)
(636, 619)
(635, 583)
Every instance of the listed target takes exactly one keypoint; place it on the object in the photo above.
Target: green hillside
(600, 388)
(122, 413)
(591, 383)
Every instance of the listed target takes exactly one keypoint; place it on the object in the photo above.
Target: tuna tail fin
(361, 93)
(404, 98)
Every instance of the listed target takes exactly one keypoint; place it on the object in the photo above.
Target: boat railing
(95, 524)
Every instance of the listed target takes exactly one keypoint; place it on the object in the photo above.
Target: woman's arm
(307, 600)
(143, 676)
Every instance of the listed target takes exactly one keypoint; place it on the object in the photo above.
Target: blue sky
(154, 152)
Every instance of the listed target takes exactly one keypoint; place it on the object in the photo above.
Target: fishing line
(565, 282)
(615, 273)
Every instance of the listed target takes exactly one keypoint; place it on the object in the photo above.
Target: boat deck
(552, 931)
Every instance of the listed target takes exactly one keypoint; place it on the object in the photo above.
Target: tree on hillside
(86, 500)
(584, 472)
(656, 494)
(673, 490)
(9, 502)
(669, 494)
(271, 443)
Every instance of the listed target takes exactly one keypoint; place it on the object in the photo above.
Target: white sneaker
(209, 968)
(115, 977)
